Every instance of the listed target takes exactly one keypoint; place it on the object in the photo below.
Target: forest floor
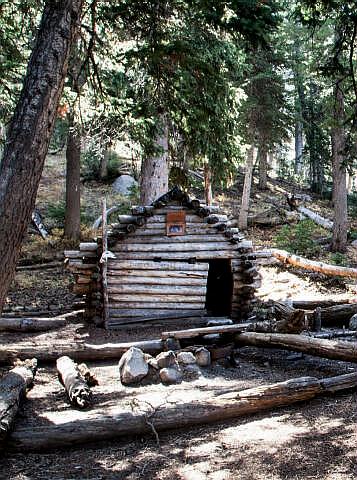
(310, 440)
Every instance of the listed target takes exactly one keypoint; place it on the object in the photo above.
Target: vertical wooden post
(104, 262)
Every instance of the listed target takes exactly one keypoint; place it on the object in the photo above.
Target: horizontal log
(178, 256)
(337, 350)
(165, 281)
(173, 247)
(323, 303)
(140, 289)
(134, 219)
(156, 277)
(321, 267)
(49, 351)
(315, 217)
(13, 388)
(156, 265)
(168, 305)
(158, 313)
(216, 406)
(197, 332)
(199, 298)
(30, 324)
(163, 239)
(88, 246)
(39, 266)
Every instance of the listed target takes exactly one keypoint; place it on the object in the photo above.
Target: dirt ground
(311, 440)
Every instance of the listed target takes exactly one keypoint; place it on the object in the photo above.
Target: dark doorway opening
(219, 288)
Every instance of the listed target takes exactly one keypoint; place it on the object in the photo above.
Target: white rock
(203, 357)
(132, 366)
(354, 244)
(170, 375)
(186, 358)
(124, 184)
(353, 322)
(166, 359)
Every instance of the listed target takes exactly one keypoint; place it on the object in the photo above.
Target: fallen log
(291, 324)
(338, 314)
(13, 388)
(315, 217)
(320, 267)
(146, 418)
(313, 304)
(33, 324)
(50, 350)
(76, 386)
(336, 350)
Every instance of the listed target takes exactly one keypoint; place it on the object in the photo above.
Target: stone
(354, 244)
(191, 371)
(166, 359)
(353, 322)
(124, 184)
(133, 366)
(203, 357)
(217, 322)
(171, 375)
(186, 358)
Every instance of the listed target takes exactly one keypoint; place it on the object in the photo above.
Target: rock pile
(169, 367)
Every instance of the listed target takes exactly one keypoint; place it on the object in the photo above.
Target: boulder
(124, 184)
(166, 359)
(133, 366)
(191, 371)
(353, 322)
(186, 358)
(203, 357)
(354, 244)
(171, 375)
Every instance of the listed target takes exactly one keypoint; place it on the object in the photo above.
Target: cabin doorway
(219, 288)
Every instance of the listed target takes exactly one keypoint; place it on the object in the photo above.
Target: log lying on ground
(321, 267)
(315, 217)
(50, 350)
(13, 388)
(33, 324)
(336, 350)
(145, 418)
(293, 323)
(76, 386)
(338, 314)
(312, 304)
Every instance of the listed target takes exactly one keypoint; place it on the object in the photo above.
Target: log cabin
(176, 258)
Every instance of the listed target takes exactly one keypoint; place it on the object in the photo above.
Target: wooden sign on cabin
(175, 223)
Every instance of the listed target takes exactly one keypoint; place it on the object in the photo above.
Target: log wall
(155, 276)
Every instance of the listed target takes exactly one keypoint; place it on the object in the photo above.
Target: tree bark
(299, 147)
(339, 233)
(345, 351)
(31, 129)
(72, 224)
(103, 173)
(217, 406)
(263, 166)
(154, 180)
(208, 185)
(13, 387)
(77, 388)
(243, 214)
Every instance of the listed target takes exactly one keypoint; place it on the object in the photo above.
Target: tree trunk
(77, 389)
(208, 185)
(345, 351)
(13, 387)
(103, 174)
(243, 214)
(31, 128)
(263, 166)
(72, 225)
(299, 147)
(146, 418)
(154, 180)
(339, 235)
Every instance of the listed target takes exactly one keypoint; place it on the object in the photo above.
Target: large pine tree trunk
(155, 170)
(72, 225)
(243, 214)
(31, 129)
(339, 235)
(299, 146)
(208, 184)
(263, 166)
